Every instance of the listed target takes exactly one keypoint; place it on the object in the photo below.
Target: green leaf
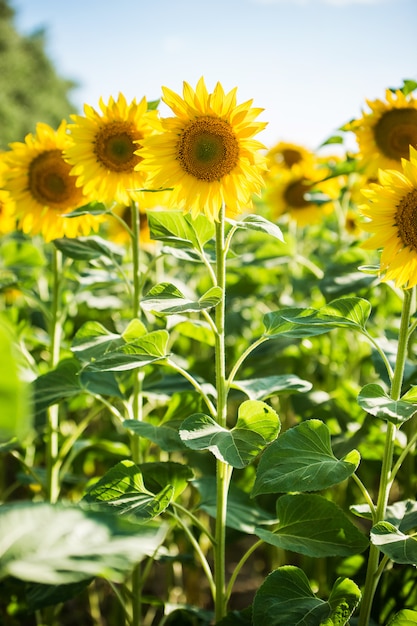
(165, 437)
(406, 617)
(346, 312)
(88, 248)
(93, 208)
(399, 547)
(259, 223)
(374, 400)
(242, 513)
(257, 425)
(93, 340)
(123, 489)
(159, 475)
(340, 313)
(292, 322)
(134, 330)
(139, 353)
(15, 411)
(312, 525)
(56, 544)
(301, 459)
(286, 598)
(262, 388)
(198, 330)
(57, 385)
(167, 299)
(177, 228)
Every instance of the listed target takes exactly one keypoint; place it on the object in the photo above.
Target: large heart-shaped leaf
(122, 488)
(180, 229)
(257, 425)
(166, 298)
(374, 400)
(398, 546)
(259, 223)
(287, 598)
(312, 525)
(302, 460)
(56, 544)
(340, 313)
(262, 388)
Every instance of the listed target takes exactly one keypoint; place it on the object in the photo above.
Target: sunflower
(392, 211)
(7, 205)
(103, 153)
(385, 133)
(206, 153)
(286, 155)
(42, 188)
(294, 192)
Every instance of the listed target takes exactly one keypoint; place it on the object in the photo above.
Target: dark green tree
(30, 89)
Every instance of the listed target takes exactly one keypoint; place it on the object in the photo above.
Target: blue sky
(311, 64)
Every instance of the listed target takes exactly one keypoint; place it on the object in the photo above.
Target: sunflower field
(208, 388)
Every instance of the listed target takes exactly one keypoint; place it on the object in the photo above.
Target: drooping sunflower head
(206, 153)
(39, 182)
(385, 133)
(391, 213)
(103, 152)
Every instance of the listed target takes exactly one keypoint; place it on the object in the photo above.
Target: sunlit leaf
(165, 437)
(93, 340)
(87, 248)
(93, 208)
(159, 475)
(257, 425)
(301, 459)
(312, 525)
(177, 228)
(57, 544)
(167, 298)
(259, 223)
(374, 400)
(406, 617)
(285, 597)
(122, 488)
(398, 546)
(262, 388)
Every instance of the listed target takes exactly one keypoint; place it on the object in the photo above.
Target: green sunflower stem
(374, 572)
(137, 398)
(223, 470)
(55, 333)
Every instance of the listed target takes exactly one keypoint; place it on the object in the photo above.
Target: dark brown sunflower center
(294, 194)
(115, 146)
(406, 220)
(208, 149)
(291, 156)
(50, 182)
(395, 132)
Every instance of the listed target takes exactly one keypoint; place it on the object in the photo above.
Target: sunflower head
(42, 188)
(293, 192)
(385, 133)
(206, 154)
(286, 155)
(104, 148)
(391, 213)
(7, 205)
